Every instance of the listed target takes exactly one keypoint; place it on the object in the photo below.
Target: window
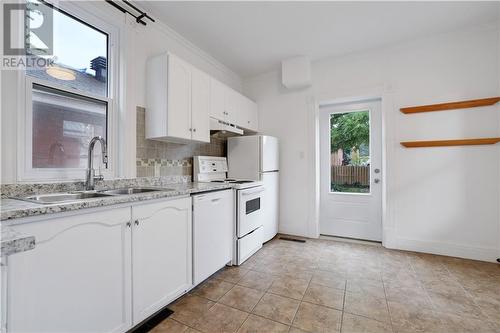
(81, 51)
(350, 152)
(70, 101)
(63, 125)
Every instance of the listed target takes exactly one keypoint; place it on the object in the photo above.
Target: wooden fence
(350, 175)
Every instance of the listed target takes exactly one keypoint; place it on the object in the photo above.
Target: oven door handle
(253, 192)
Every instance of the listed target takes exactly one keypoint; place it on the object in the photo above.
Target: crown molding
(167, 30)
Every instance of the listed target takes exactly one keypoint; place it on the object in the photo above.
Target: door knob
(376, 180)
(376, 170)
(136, 222)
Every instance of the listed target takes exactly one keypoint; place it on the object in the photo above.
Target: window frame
(26, 172)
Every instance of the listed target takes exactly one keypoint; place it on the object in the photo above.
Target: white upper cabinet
(217, 99)
(181, 99)
(250, 114)
(178, 100)
(200, 106)
(239, 110)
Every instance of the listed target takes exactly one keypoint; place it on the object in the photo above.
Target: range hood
(221, 129)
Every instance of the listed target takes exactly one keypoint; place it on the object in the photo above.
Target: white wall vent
(296, 72)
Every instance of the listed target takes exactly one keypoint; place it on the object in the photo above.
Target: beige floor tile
(221, 318)
(242, 298)
(426, 293)
(192, 330)
(317, 318)
(257, 280)
(329, 279)
(231, 274)
(296, 330)
(369, 287)
(289, 287)
(213, 289)
(453, 323)
(366, 305)
(189, 308)
(406, 318)
(445, 285)
(357, 324)
(326, 296)
(456, 304)
(489, 304)
(277, 308)
(169, 326)
(256, 324)
(339, 269)
(414, 296)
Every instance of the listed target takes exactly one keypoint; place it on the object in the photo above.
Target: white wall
(137, 44)
(440, 200)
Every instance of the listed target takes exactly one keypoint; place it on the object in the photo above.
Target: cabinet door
(161, 255)
(217, 99)
(250, 111)
(77, 279)
(200, 109)
(179, 98)
(234, 105)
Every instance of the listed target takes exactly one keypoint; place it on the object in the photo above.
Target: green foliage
(349, 130)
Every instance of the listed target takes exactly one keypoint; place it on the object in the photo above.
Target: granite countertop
(11, 209)
(14, 242)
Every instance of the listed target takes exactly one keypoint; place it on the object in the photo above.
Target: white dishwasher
(213, 229)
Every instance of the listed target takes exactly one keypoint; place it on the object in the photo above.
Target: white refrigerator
(256, 157)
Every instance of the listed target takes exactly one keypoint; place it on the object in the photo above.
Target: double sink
(55, 198)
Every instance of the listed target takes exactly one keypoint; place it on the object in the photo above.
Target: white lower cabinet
(161, 255)
(77, 279)
(103, 271)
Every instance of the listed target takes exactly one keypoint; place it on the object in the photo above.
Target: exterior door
(350, 170)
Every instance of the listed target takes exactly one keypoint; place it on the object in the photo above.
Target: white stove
(214, 170)
(248, 233)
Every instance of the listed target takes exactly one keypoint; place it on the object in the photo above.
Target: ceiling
(253, 37)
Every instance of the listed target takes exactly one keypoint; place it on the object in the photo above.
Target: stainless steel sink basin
(63, 197)
(134, 190)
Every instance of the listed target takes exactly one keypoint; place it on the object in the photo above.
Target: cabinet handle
(136, 222)
(129, 224)
(194, 129)
(190, 130)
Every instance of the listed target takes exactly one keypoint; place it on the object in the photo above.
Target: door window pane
(81, 51)
(350, 152)
(63, 125)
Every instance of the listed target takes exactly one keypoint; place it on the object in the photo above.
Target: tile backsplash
(155, 158)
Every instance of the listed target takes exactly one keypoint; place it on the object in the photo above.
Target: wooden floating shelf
(451, 106)
(446, 143)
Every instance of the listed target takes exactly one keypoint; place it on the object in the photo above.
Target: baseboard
(452, 250)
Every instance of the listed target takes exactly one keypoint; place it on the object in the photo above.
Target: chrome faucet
(90, 173)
